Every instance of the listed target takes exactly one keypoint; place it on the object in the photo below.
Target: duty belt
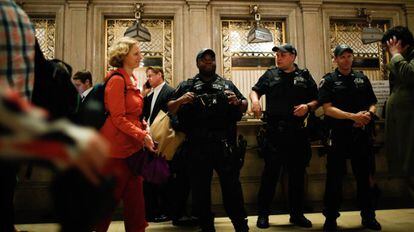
(204, 134)
(287, 123)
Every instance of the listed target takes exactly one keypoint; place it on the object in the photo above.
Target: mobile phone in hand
(147, 85)
(155, 145)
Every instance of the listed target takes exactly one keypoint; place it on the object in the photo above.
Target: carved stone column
(409, 12)
(75, 46)
(199, 33)
(313, 37)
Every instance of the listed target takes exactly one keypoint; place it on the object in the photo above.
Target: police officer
(208, 108)
(349, 105)
(291, 94)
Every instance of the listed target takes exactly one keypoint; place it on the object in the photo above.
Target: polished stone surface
(401, 220)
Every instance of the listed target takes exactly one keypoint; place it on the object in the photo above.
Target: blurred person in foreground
(25, 132)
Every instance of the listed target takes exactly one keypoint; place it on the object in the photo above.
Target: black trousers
(180, 187)
(156, 200)
(203, 159)
(170, 198)
(346, 145)
(8, 182)
(287, 150)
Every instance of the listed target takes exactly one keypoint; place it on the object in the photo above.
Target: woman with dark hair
(125, 131)
(399, 116)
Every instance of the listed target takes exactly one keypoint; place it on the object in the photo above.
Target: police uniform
(286, 142)
(210, 125)
(352, 93)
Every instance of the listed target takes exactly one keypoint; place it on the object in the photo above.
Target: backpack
(94, 113)
(53, 89)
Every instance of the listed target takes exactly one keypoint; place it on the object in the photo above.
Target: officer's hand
(187, 98)
(257, 109)
(232, 98)
(361, 117)
(357, 125)
(300, 110)
(368, 115)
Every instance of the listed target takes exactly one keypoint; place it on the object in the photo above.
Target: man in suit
(156, 100)
(89, 100)
(83, 83)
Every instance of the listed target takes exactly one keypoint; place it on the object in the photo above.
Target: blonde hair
(119, 50)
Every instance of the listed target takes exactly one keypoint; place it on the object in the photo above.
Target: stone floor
(401, 220)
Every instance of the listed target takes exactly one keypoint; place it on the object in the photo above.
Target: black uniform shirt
(199, 117)
(285, 90)
(352, 93)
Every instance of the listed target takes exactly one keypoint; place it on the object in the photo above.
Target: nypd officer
(208, 108)
(349, 105)
(291, 94)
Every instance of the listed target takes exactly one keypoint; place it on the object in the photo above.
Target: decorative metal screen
(367, 57)
(157, 52)
(235, 45)
(45, 33)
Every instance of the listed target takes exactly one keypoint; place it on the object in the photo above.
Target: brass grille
(45, 33)
(370, 57)
(235, 45)
(160, 46)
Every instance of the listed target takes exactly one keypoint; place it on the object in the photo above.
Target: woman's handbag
(137, 161)
(156, 170)
(152, 167)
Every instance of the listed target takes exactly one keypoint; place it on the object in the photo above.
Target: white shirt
(155, 92)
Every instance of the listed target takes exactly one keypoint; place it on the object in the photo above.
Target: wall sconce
(137, 30)
(258, 34)
(369, 34)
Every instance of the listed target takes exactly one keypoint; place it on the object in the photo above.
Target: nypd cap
(285, 48)
(340, 49)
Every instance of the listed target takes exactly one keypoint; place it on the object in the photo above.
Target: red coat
(123, 127)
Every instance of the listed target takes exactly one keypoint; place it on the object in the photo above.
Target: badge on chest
(359, 82)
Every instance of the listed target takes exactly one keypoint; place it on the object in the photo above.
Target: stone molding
(197, 4)
(310, 5)
(409, 13)
(312, 34)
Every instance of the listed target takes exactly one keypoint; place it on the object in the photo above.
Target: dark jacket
(160, 104)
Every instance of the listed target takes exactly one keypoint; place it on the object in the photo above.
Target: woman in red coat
(125, 132)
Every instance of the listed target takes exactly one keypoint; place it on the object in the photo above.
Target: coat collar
(130, 81)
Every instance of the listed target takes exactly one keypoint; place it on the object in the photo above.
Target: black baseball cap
(204, 51)
(285, 48)
(340, 49)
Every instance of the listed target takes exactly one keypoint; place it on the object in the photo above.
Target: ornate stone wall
(79, 39)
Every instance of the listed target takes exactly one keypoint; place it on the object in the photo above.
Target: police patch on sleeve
(322, 82)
